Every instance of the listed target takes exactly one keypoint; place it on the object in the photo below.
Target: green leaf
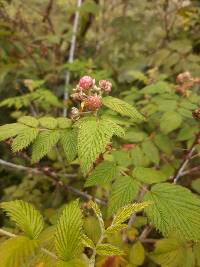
(159, 87)
(29, 121)
(17, 251)
(196, 185)
(87, 242)
(24, 139)
(138, 157)
(71, 263)
(97, 212)
(69, 233)
(103, 174)
(186, 133)
(11, 130)
(64, 123)
(163, 143)
(151, 151)
(92, 228)
(93, 137)
(134, 135)
(137, 254)
(48, 122)
(124, 191)
(125, 212)
(173, 253)
(44, 143)
(149, 175)
(123, 108)
(108, 250)
(175, 208)
(122, 158)
(68, 141)
(26, 217)
(170, 121)
(116, 228)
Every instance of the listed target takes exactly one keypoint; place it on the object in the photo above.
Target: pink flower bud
(93, 103)
(86, 82)
(105, 85)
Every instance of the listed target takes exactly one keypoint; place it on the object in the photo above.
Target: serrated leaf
(29, 121)
(93, 137)
(173, 253)
(64, 123)
(108, 250)
(11, 130)
(138, 157)
(124, 191)
(26, 217)
(48, 122)
(170, 121)
(149, 175)
(196, 185)
(44, 143)
(17, 251)
(68, 141)
(175, 208)
(103, 174)
(24, 139)
(92, 228)
(71, 263)
(151, 151)
(87, 242)
(137, 254)
(116, 228)
(97, 212)
(69, 232)
(123, 108)
(163, 143)
(125, 212)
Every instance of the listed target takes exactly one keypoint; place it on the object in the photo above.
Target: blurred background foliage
(141, 46)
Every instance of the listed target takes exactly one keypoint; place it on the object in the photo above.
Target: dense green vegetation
(100, 137)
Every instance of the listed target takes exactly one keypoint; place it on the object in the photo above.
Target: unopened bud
(86, 82)
(105, 85)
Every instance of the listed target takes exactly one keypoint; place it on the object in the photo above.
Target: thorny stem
(71, 53)
(6, 233)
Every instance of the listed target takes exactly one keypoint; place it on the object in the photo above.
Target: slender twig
(145, 232)
(185, 161)
(71, 53)
(54, 177)
(19, 167)
(192, 170)
(6, 233)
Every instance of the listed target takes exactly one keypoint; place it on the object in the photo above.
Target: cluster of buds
(196, 114)
(89, 94)
(185, 81)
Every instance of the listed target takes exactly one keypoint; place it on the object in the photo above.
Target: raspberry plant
(101, 171)
(86, 139)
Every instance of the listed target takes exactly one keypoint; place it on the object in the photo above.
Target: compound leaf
(26, 217)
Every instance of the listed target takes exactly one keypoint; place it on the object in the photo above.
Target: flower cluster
(89, 94)
(185, 82)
